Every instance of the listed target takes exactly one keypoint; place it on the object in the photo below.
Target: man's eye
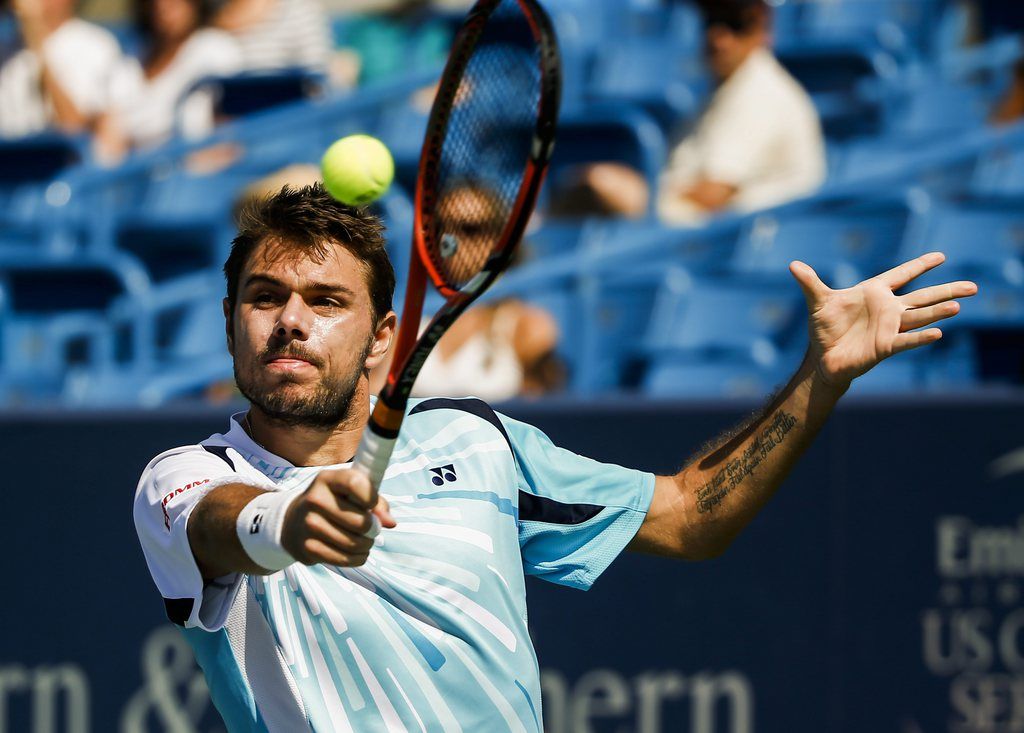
(263, 298)
(327, 302)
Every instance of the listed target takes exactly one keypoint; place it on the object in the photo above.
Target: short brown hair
(310, 219)
(739, 16)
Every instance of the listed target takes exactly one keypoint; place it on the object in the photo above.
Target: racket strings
(482, 159)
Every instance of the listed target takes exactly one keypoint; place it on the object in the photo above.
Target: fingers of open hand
(914, 339)
(918, 317)
(900, 275)
(939, 293)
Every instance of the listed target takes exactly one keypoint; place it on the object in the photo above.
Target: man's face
(727, 49)
(175, 19)
(474, 220)
(302, 333)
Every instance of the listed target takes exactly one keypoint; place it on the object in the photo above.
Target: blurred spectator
(495, 350)
(277, 34)
(389, 43)
(59, 74)
(757, 144)
(150, 98)
(1011, 107)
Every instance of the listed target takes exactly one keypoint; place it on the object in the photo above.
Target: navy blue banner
(881, 590)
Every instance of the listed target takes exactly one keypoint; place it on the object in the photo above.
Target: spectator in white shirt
(277, 34)
(60, 75)
(757, 144)
(153, 96)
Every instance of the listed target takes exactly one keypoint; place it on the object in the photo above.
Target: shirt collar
(260, 457)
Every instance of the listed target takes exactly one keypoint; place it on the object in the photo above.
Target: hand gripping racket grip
(374, 453)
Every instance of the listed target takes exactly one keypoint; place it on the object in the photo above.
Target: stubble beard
(326, 407)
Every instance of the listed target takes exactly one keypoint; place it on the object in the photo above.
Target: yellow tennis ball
(357, 169)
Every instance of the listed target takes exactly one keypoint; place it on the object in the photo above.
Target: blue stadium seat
(28, 169)
(183, 222)
(665, 78)
(661, 20)
(982, 238)
(899, 374)
(54, 315)
(904, 27)
(37, 158)
(725, 315)
(844, 242)
(717, 337)
(243, 94)
(614, 311)
(996, 305)
(933, 106)
(712, 378)
(176, 327)
(402, 131)
(844, 80)
(1000, 172)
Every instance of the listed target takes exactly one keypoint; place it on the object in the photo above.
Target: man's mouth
(288, 362)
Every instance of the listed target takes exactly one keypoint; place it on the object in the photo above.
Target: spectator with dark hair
(59, 73)
(757, 144)
(277, 34)
(153, 95)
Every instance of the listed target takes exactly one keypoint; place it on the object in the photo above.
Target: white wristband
(259, 529)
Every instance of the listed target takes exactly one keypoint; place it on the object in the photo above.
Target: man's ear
(382, 339)
(229, 326)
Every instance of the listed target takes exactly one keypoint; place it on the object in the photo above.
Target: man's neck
(750, 53)
(301, 445)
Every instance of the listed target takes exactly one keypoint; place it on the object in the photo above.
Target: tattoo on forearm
(732, 474)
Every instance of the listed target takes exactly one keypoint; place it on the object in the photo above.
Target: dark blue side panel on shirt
(532, 508)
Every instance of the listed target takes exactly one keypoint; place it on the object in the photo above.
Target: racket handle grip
(373, 453)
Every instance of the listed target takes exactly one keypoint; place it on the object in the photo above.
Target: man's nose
(294, 319)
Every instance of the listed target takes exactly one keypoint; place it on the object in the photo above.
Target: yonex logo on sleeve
(443, 474)
(257, 520)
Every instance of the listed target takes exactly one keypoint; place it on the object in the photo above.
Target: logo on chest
(443, 475)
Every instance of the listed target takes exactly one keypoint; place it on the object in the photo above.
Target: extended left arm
(697, 513)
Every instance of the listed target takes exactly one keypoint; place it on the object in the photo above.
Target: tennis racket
(489, 138)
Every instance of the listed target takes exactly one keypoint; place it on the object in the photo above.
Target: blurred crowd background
(703, 145)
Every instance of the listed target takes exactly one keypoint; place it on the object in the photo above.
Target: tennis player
(312, 603)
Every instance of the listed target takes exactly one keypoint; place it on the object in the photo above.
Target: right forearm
(212, 532)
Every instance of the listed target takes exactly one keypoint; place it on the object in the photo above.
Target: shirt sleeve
(170, 487)
(83, 61)
(575, 514)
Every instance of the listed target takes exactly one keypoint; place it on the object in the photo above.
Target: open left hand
(851, 330)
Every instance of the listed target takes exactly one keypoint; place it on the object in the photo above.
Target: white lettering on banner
(175, 691)
(988, 704)
(52, 689)
(980, 648)
(966, 551)
(714, 702)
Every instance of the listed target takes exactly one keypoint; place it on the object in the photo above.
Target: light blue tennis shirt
(431, 633)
